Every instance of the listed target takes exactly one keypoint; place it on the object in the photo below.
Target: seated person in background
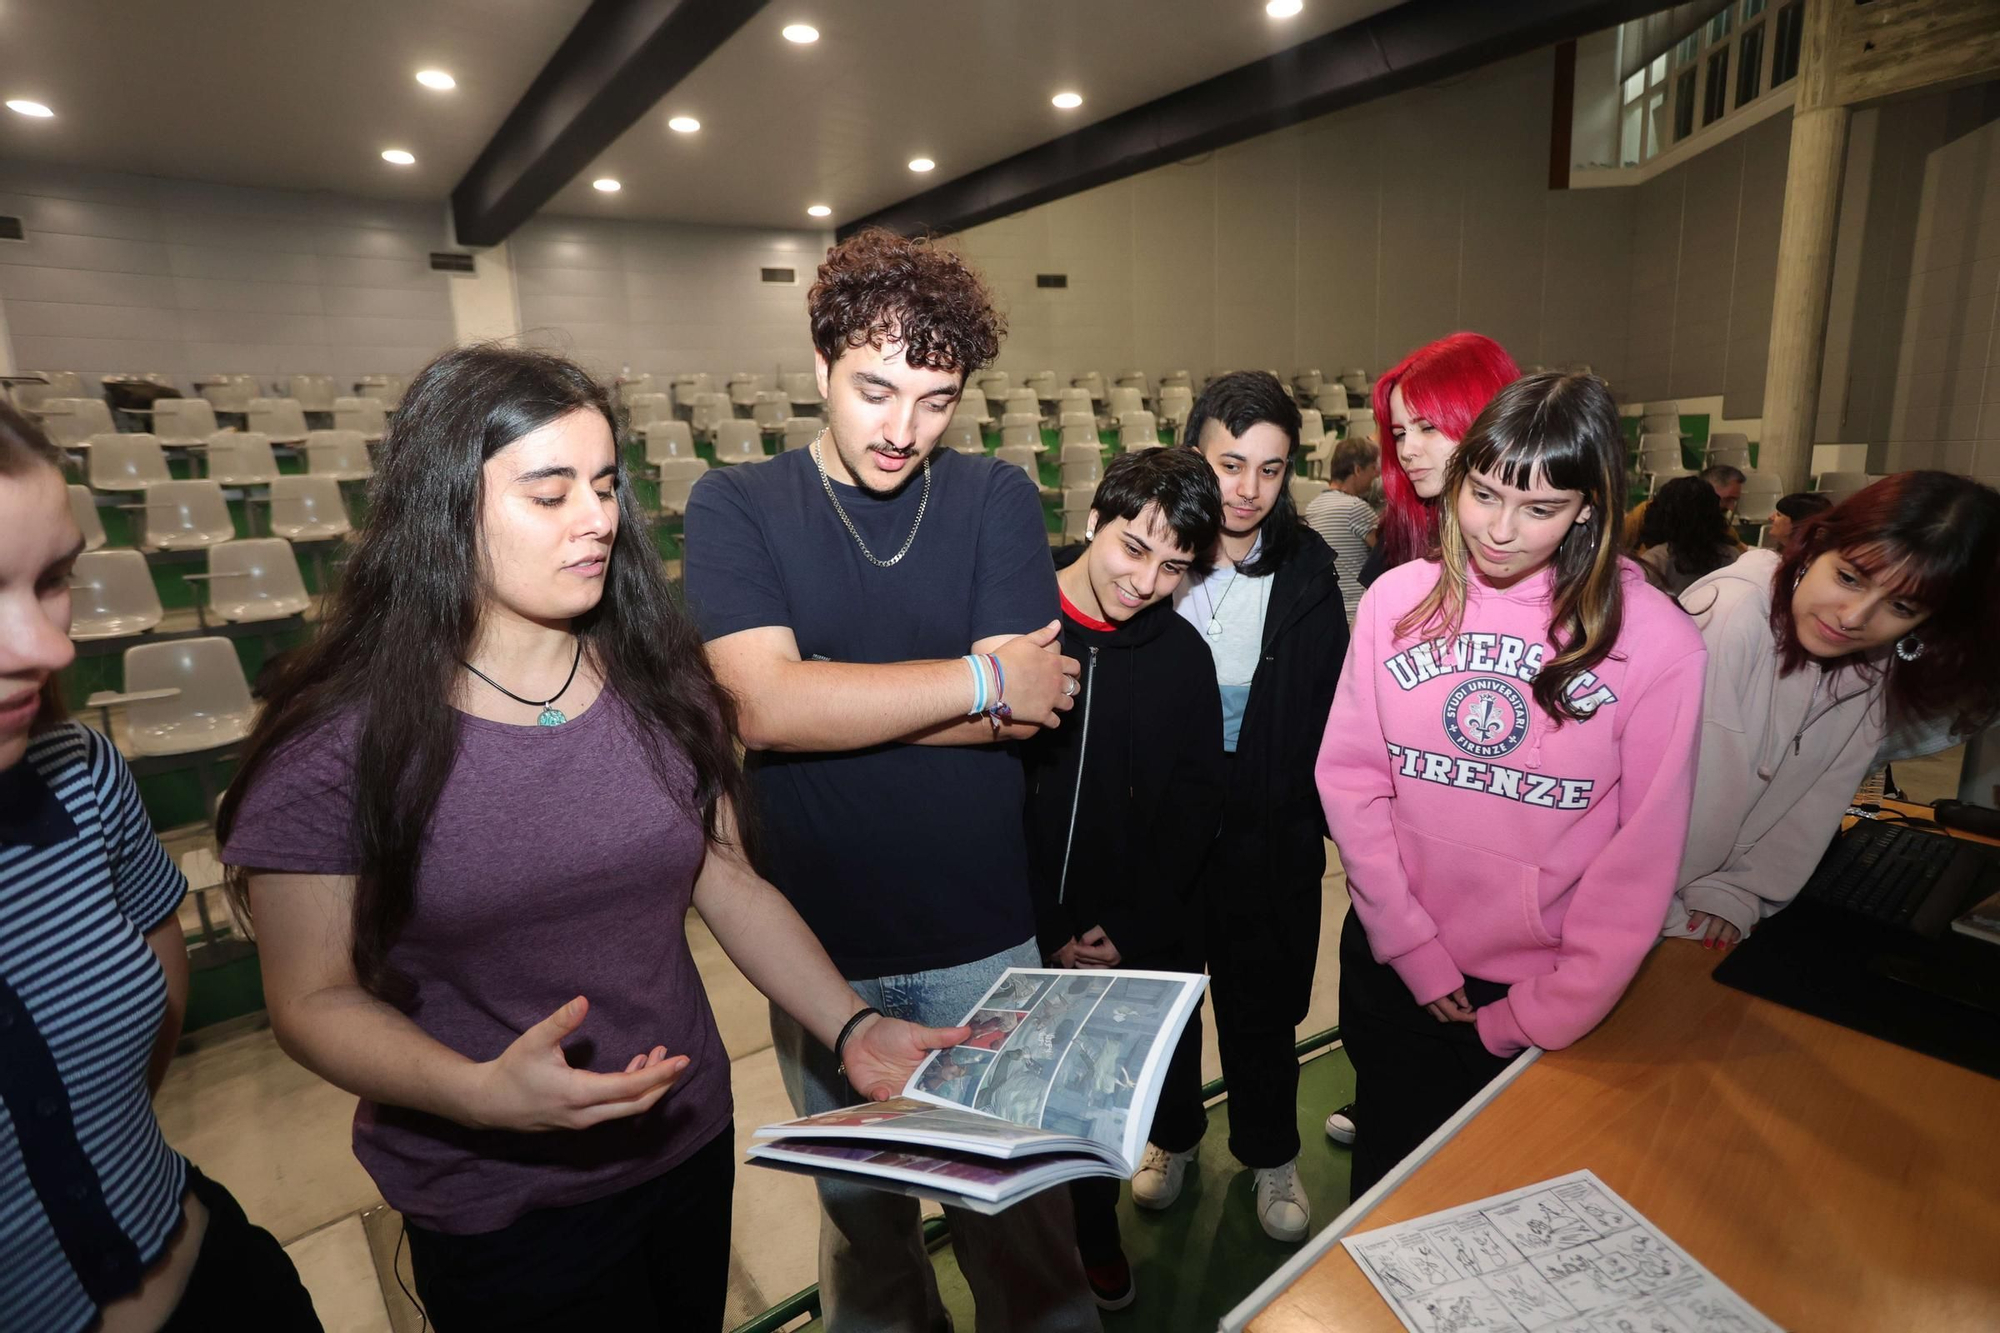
(1123, 801)
(1724, 480)
(1506, 768)
(1685, 535)
(1880, 610)
(1344, 518)
(1789, 512)
(102, 1225)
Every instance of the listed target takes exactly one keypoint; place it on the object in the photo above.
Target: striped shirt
(89, 1189)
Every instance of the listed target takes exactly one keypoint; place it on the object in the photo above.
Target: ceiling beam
(622, 57)
(1411, 44)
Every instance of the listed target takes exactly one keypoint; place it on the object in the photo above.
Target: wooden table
(1835, 1181)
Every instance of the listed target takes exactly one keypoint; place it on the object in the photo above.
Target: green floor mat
(1194, 1262)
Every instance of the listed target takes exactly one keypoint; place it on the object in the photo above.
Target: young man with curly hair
(885, 614)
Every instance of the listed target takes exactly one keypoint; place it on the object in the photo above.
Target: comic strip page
(1565, 1256)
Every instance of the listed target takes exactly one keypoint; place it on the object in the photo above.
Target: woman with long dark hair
(102, 1224)
(1685, 535)
(1506, 777)
(495, 779)
(1881, 612)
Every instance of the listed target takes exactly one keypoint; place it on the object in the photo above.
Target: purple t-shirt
(556, 865)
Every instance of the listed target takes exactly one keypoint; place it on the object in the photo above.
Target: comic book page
(908, 1121)
(1077, 1053)
(1565, 1256)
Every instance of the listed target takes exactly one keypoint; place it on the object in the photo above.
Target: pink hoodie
(1481, 839)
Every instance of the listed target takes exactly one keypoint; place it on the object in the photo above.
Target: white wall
(134, 273)
(1343, 241)
(663, 296)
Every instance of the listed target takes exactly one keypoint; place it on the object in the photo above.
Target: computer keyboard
(1879, 870)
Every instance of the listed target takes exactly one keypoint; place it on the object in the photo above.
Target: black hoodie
(1122, 848)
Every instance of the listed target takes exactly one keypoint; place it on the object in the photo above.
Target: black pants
(655, 1256)
(242, 1278)
(1178, 1123)
(1411, 1072)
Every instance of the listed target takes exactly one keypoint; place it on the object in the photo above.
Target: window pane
(1658, 73)
(1635, 85)
(1656, 106)
(1718, 27)
(1790, 25)
(1687, 49)
(1715, 98)
(1752, 8)
(1749, 64)
(1684, 104)
(1628, 135)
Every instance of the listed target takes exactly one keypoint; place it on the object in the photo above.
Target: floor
(279, 1138)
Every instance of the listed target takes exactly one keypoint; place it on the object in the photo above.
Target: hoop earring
(1798, 578)
(1909, 648)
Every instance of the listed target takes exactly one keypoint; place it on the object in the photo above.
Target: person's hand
(1452, 1008)
(531, 1086)
(1066, 955)
(1095, 949)
(882, 1053)
(1712, 930)
(1041, 682)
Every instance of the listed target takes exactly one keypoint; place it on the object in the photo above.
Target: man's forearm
(822, 706)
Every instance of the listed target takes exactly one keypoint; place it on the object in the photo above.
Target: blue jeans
(874, 1276)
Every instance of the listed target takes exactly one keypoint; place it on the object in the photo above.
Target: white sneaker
(1161, 1175)
(1281, 1203)
(1340, 1124)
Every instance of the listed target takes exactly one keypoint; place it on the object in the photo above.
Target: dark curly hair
(876, 287)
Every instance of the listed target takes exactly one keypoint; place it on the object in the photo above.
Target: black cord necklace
(551, 715)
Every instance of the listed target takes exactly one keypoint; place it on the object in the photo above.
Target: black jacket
(1121, 845)
(1272, 821)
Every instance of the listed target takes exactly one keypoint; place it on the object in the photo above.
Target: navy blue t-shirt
(901, 858)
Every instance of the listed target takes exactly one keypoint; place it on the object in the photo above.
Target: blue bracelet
(978, 686)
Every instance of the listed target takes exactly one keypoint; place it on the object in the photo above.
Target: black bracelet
(840, 1042)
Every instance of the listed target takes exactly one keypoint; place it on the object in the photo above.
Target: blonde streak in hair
(1443, 607)
(1589, 606)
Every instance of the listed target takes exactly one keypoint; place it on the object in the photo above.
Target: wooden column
(1804, 287)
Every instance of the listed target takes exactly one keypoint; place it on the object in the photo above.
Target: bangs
(1522, 464)
(1923, 577)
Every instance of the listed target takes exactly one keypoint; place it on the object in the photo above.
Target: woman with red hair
(1880, 612)
(1427, 402)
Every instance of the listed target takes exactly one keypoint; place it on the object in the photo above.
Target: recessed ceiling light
(1284, 9)
(801, 33)
(399, 156)
(27, 108)
(606, 184)
(921, 164)
(683, 124)
(819, 211)
(436, 78)
(1068, 101)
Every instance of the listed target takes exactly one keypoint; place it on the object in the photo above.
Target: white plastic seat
(962, 436)
(254, 580)
(1082, 472)
(112, 596)
(995, 384)
(1077, 428)
(742, 391)
(1658, 479)
(665, 440)
(1659, 453)
(1180, 378)
(687, 388)
(709, 411)
(1361, 424)
(313, 393)
(643, 408)
(1076, 511)
(1761, 493)
(308, 509)
(1331, 404)
(280, 418)
(83, 508)
(340, 454)
(1082, 453)
(1138, 430)
(1354, 379)
(179, 423)
(1021, 434)
(1042, 383)
(1020, 402)
(677, 479)
(1135, 380)
(30, 396)
(1840, 485)
(185, 516)
(1092, 383)
(384, 389)
(1176, 402)
(1308, 383)
(126, 462)
(770, 409)
(1305, 490)
(738, 441)
(1022, 457)
(800, 432)
(1073, 400)
(364, 416)
(1660, 423)
(801, 389)
(639, 382)
(1122, 399)
(1727, 447)
(1311, 427)
(972, 406)
(71, 423)
(228, 392)
(1670, 407)
(211, 704)
(241, 458)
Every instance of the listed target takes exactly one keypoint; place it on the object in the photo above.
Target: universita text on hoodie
(1780, 755)
(1479, 837)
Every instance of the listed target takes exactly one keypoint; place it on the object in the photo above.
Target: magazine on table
(1058, 1080)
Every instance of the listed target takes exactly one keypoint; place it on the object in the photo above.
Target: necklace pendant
(551, 716)
(1214, 628)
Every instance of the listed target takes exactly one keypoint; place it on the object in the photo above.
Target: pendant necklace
(551, 716)
(1215, 605)
(923, 502)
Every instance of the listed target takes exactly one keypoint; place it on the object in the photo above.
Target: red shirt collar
(1088, 622)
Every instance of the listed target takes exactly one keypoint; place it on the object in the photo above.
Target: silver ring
(1069, 687)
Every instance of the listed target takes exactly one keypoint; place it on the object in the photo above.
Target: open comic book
(1057, 1081)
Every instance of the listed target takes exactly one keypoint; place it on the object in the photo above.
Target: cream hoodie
(1780, 756)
